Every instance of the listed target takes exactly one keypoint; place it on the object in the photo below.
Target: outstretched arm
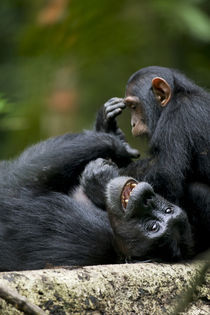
(56, 163)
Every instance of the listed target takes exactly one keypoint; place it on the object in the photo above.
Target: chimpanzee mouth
(126, 192)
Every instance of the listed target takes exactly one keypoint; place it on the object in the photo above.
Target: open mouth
(126, 192)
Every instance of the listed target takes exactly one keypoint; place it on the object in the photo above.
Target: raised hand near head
(105, 120)
(113, 108)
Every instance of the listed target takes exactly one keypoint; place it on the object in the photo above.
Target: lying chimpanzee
(42, 222)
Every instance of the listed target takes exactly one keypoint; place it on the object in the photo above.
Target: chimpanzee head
(149, 92)
(146, 226)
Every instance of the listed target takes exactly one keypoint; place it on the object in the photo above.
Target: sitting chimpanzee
(45, 220)
(176, 114)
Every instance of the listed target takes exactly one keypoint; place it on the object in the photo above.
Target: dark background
(60, 60)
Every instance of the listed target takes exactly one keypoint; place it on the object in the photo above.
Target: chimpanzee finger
(114, 114)
(132, 152)
(113, 100)
(112, 107)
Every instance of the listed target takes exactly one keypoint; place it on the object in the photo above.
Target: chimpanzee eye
(153, 227)
(133, 106)
(168, 210)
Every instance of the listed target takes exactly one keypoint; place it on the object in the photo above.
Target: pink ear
(162, 90)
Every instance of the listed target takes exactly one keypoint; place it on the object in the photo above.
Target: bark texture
(142, 288)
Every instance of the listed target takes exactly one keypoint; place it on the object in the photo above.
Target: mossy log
(143, 288)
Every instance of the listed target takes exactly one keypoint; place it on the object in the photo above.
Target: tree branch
(19, 302)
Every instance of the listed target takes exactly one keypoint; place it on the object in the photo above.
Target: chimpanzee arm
(106, 121)
(56, 163)
(94, 179)
(106, 117)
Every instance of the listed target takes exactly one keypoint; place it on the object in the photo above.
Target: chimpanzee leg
(94, 179)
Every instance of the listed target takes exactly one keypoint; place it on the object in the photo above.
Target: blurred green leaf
(5, 107)
(196, 21)
(88, 50)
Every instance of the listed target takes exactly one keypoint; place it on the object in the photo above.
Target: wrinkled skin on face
(146, 226)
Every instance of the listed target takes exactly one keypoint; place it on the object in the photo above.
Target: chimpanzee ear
(162, 90)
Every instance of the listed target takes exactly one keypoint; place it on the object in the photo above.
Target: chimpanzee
(47, 220)
(175, 113)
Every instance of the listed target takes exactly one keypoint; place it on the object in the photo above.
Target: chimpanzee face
(146, 96)
(145, 225)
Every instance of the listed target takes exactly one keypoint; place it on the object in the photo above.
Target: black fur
(179, 164)
(40, 223)
(181, 234)
(46, 219)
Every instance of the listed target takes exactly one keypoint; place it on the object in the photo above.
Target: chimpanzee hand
(95, 177)
(113, 108)
(106, 121)
(133, 153)
(121, 152)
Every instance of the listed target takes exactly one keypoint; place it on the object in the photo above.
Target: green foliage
(186, 17)
(3, 105)
(85, 51)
